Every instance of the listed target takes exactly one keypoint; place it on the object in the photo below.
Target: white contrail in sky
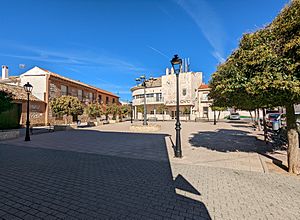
(158, 51)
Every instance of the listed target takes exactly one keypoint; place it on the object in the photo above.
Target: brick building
(17, 114)
(48, 85)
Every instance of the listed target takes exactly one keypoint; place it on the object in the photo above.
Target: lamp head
(176, 64)
(28, 87)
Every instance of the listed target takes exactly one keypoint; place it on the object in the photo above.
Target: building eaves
(149, 84)
(17, 92)
(78, 83)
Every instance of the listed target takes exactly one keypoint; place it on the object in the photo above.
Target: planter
(9, 134)
(145, 128)
(62, 127)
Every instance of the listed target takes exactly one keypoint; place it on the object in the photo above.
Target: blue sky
(108, 43)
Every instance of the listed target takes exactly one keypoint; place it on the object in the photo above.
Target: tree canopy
(66, 105)
(5, 101)
(94, 110)
(264, 72)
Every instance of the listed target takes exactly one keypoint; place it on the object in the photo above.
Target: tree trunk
(219, 115)
(265, 124)
(293, 142)
(258, 121)
(251, 115)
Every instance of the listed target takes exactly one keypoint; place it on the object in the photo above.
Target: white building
(161, 96)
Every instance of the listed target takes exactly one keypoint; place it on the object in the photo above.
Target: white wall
(38, 79)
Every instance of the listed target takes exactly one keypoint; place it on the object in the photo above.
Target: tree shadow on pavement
(231, 140)
(47, 183)
(228, 140)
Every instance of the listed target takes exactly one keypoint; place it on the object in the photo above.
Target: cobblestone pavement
(92, 174)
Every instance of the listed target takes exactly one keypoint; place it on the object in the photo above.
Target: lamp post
(28, 89)
(176, 65)
(142, 80)
(215, 118)
(130, 112)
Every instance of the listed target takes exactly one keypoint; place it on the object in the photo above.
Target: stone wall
(36, 113)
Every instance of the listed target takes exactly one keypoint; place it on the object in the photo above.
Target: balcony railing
(152, 100)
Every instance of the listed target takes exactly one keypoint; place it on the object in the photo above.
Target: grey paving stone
(68, 184)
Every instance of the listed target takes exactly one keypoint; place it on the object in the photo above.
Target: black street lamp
(142, 79)
(215, 118)
(131, 112)
(28, 88)
(176, 65)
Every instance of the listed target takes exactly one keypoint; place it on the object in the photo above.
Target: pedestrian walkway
(109, 172)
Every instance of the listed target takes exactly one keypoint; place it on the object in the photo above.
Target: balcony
(152, 100)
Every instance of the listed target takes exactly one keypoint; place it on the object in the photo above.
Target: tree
(264, 72)
(219, 109)
(5, 101)
(67, 105)
(162, 108)
(125, 110)
(140, 108)
(113, 109)
(186, 112)
(94, 110)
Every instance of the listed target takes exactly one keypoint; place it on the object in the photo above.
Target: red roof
(203, 86)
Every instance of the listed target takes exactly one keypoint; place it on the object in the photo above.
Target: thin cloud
(158, 51)
(208, 22)
(78, 58)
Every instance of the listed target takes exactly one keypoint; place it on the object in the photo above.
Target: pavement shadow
(38, 182)
(231, 140)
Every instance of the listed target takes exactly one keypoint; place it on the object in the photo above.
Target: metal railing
(152, 100)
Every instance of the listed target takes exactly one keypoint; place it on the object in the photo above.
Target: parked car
(271, 117)
(234, 116)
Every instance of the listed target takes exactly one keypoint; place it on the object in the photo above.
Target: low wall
(9, 134)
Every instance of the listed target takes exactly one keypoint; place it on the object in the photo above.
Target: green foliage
(5, 101)
(140, 108)
(162, 108)
(186, 111)
(94, 110)
(66, 105)
(113, 109)
(217, 108)
(125, 110)
(264, 72)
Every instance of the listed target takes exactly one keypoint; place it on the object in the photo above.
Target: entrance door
(173, 114)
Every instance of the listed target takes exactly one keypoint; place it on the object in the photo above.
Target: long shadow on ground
(231, 140)
(47, 183)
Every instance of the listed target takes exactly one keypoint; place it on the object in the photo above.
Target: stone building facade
(161, 94)
(48, 85)
(37, 107)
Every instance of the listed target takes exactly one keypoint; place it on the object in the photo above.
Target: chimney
(4, 72)
(167, 71)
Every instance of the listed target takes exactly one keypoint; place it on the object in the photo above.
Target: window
(158, 97)
(79, 94)
(107, 100)
(91, 96)
(184, 92)
(205, 97)
(113, 100)
(139, 96)
(150, 95)
(64, 90)
(100, 98)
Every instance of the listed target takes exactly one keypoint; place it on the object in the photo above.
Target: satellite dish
(21, 66)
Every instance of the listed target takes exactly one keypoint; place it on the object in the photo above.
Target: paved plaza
(108, 172)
